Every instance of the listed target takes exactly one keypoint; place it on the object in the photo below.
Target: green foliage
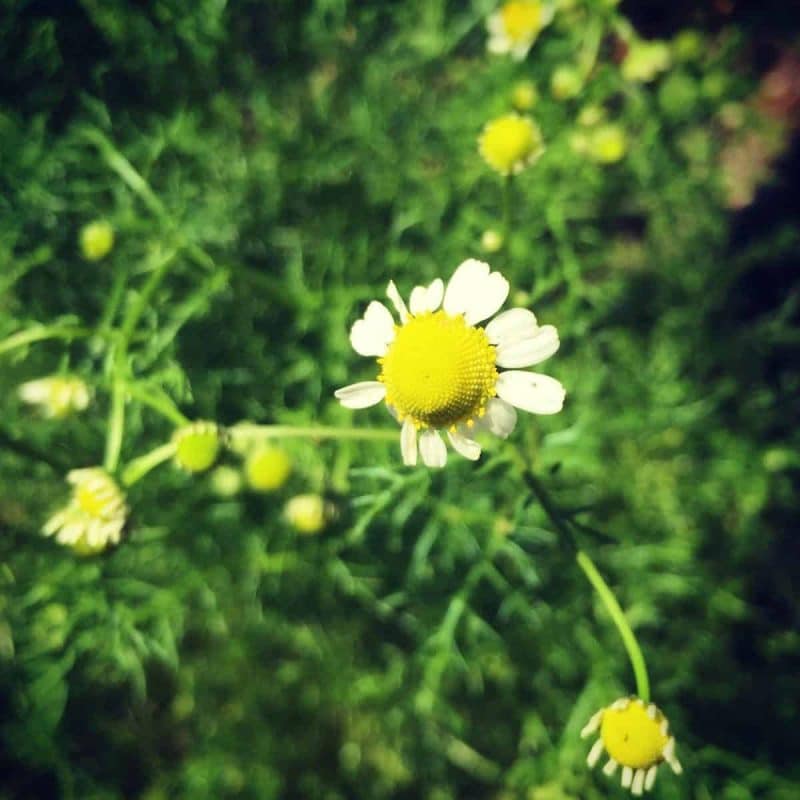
(267, 168)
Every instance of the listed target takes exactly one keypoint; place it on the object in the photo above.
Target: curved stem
(619, 619)
(116, 419)
(159, 402)
(140, 466)
(39, 333)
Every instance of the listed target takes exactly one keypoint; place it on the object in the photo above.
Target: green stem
(116, 419)
(246, 430)
(139, 467)
(39, 333)
(127, 172)
(159, 402)
(618, 617)
(506, 229)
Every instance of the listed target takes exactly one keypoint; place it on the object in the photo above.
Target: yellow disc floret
(509, 143)
(92, 500)
(633, 737)
(522, 20)
(439, 371)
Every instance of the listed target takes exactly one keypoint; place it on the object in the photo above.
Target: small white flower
(438, 367)
(57, 396)
(95, 515)
(516, 25)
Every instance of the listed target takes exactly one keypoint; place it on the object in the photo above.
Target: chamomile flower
(438, 369)
(95, 515)
(57, 396)
(516, 25)
(636, 737)
(510, 143)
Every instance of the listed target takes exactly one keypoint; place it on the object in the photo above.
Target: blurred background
(424, 634)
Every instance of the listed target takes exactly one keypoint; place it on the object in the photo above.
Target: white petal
(610, 768)
(512, 326)
(498, 44)
(475, 291)
(397, 302)
(531, 391)
(500, 418)
(427, 298)
(650, 779)
(466, 447)
(408, 443)
(495, 24)
(361, 395)
(638, 782)
(432, 449)
(595, 753)
(627, 777)
(593, 724)
(371, 335)
(519, 52)
(36, 391)
(527, 352)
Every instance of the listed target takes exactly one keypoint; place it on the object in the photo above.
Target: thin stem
(506, 229)
(39, 333)
(158, 401)
(127, 172)
(139, 467)
(246, 430)
(550, 508)
(619, 619)
(116, 425)
(116, 419)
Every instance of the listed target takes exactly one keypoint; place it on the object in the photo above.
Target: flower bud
(96, 239)
(197, 446)
(267, 469)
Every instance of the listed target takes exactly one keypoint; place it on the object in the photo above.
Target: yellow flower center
(95, 500)
(521, 20)
(631, 737)
(439, 371)
(508, 142)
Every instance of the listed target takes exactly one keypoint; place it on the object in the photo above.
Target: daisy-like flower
(516, 25)
(95, 515)
(510, 143)
(57, 396)
(438, 367)
(636, 737)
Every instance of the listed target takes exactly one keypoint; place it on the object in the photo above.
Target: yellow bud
(97, 239)
(308, 513)
(226, 481)
(608, 144)
(645, 60)
(591, 115)
(267, 469)
(524, 96)
(565, 83)
(196, 446)
(491, 241)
